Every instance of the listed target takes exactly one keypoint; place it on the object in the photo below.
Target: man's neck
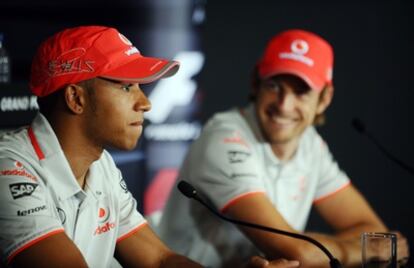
(285, 151)
(79, 151)
(80, 158)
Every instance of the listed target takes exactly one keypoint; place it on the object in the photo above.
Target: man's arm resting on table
(346, 223)
(145, 249)
(57, 250)
(346, 211)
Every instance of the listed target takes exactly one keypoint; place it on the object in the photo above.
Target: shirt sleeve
(130, 219)
(26, 215)
(223, 166)
(331, 178)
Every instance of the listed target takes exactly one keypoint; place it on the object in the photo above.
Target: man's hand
(259, 262)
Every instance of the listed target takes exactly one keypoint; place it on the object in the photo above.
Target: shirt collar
(58, 171)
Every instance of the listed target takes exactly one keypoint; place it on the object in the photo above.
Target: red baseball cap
(300, 53)
(85, 52)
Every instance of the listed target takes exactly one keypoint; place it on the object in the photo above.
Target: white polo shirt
(39, 197)
(231, 160)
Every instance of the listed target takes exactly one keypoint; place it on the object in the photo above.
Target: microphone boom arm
(189, 191)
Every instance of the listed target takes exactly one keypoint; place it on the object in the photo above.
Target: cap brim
(314, 83)
(143, 70)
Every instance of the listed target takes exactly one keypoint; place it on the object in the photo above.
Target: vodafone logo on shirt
(18, 170)
(103, 217)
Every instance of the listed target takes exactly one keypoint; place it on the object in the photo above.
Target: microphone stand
(360, 127)
(189, 191)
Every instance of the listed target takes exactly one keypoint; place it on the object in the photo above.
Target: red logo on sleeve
(236, 138)
(18, 171)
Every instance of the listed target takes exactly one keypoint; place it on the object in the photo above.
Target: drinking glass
(379, 250)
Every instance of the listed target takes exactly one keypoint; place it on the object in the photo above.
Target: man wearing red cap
(63, 202)
(266, 164)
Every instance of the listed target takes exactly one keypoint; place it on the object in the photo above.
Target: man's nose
(142, 103)
(286, 100)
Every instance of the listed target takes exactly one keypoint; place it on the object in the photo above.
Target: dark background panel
(373, 43)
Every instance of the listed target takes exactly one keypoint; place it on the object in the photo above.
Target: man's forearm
(176, 260)
(346, 250)
(346, 244)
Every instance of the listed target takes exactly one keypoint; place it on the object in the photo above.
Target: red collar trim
(35, 144)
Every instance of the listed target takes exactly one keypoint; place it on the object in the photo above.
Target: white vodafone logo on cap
(299, 47)
(124, 39)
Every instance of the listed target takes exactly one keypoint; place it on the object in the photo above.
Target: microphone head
(358, 125)
(187, 189)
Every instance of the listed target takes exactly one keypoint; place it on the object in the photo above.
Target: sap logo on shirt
(30, 211)
(19, 190)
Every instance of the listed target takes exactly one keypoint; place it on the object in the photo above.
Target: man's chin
(129, 146)
(281, 138)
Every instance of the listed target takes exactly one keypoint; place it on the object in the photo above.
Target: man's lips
(282, 120)
(137, 123)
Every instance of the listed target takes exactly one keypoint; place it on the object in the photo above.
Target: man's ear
(325, 99)
(75, 98)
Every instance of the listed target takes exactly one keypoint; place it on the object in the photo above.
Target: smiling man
(266, 164)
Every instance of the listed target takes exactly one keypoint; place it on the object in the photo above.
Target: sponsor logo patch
(299, 48)
(70, 62)
(19, 190)
(30, 211)
(132, 50)
(103, 217)
(123, 185)
(103, 214)
(18, 164)
(104, 228)
(237, 156)
(124, 39)
(62, 215)
(18, 172)
(236, 138)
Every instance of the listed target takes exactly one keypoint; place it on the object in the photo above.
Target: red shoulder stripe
(35, 144)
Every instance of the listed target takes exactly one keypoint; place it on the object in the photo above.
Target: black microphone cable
(360, 127)
(189, 191)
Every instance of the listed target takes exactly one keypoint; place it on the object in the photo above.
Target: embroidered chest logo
(105, 224)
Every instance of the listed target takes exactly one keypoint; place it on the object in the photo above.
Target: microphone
(360, 127)
(189, 191)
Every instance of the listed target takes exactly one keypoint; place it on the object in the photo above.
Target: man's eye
(272, 86)
(126, 88)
